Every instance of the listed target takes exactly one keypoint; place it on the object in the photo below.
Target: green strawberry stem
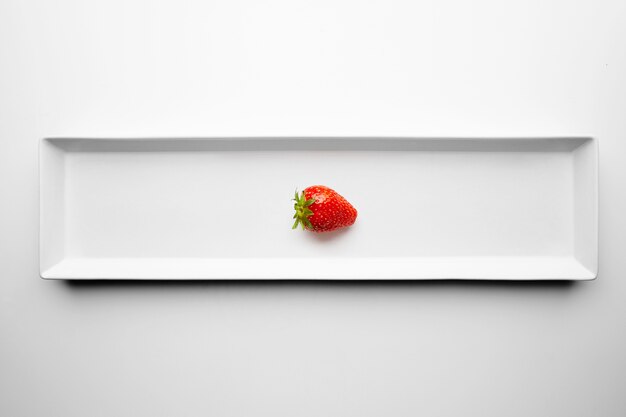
(303, 211)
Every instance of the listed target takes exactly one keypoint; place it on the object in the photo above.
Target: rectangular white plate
(220, 208)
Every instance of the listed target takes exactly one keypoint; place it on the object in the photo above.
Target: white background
(429, 68)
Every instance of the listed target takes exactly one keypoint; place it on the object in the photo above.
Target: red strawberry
(320, 209)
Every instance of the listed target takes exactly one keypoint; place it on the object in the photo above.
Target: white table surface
(391, 68)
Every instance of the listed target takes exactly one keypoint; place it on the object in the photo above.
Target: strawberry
(320, 209)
